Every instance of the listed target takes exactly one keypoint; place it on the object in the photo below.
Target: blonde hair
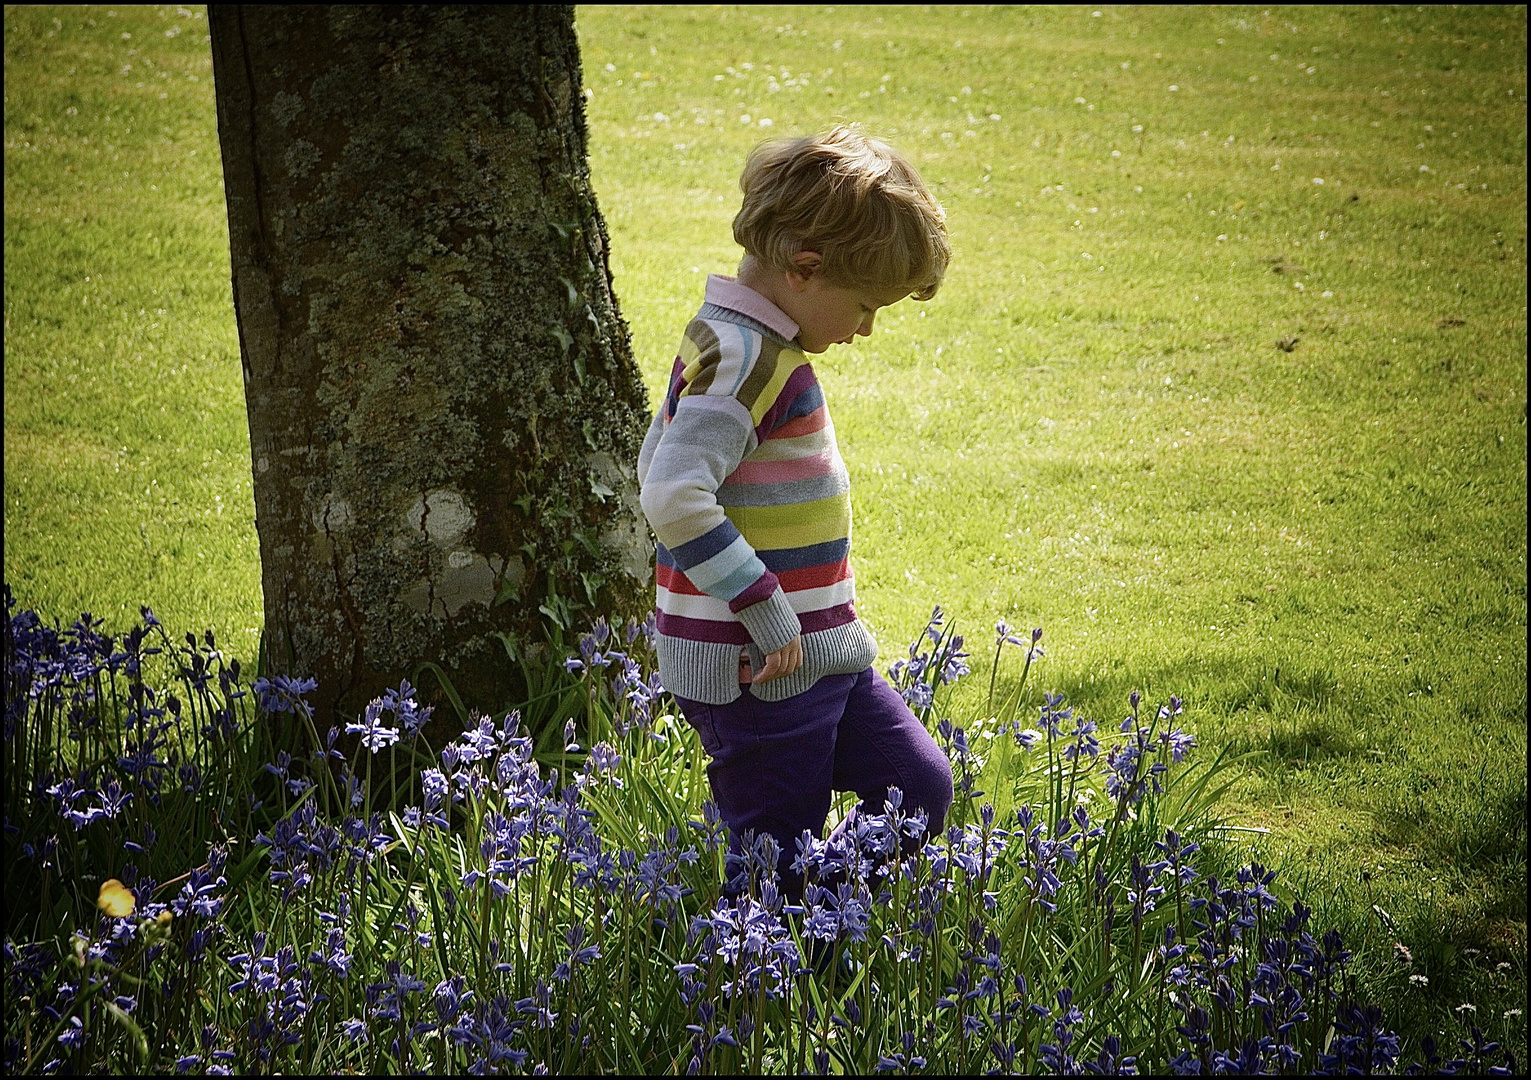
(854, 200)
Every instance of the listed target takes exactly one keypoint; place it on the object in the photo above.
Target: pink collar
(726, 292)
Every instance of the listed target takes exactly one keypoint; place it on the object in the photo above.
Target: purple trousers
(775, 763)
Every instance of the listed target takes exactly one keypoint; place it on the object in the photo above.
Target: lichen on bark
(444, 408)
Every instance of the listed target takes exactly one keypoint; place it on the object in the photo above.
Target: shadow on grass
(1287, 713)
(1465, 819)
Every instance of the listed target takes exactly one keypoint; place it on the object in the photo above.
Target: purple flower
(283, 693)
(1053, 713)
(1178, 742)
(955, 666)
(374, 735)
(113, 799)
(1084, 742)
(1110, 1062)
(74, 1034)
(919, 695)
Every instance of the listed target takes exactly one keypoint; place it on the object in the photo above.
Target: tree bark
(444, 408)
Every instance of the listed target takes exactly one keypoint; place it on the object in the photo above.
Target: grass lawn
(1090, 429)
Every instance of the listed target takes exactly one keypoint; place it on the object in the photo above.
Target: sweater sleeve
(709, 434)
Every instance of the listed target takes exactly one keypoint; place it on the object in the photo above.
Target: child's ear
(806, 264)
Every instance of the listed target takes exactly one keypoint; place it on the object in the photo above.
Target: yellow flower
(116, 899)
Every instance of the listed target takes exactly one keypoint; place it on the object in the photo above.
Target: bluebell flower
(375, 735)
(1084, 742)
(603, 761)
(199, 895)
(1179, 742)
(408, 713)
(579, 953)
(1053, 713)
(283, 693)
(955, 666)
(450, 998)
(113, 799)
(1248, 1060)
(1056, 1056)
(147, 838)
(74, 1034)
(1360, 1043)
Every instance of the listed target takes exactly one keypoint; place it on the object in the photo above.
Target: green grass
(1183, 506)
(127, 455)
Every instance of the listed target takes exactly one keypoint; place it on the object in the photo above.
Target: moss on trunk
(444, 408)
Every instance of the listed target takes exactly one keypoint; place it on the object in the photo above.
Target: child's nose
(865, 329)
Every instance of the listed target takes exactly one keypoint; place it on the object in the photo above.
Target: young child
(758, 641)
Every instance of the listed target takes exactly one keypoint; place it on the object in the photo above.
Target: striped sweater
(746, 492)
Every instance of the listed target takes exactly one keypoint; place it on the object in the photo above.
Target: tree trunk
(444, 408)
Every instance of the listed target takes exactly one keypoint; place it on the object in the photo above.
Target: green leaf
(558, 609)
(446, 686)
(247, 867)
(508, 591)
(135, 1032)
(512, 650)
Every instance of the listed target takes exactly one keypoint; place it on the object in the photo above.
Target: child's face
(829, 314)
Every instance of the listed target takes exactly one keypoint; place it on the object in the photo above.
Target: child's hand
(784, 661)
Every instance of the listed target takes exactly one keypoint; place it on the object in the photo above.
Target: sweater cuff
(772, 622)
